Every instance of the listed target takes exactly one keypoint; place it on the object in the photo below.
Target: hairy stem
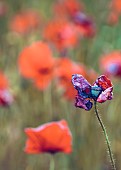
(106, 136)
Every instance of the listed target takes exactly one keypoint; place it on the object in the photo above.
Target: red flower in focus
(62, 34)
(6, 98)
(51, 137)
(25, 22)
(36, 62)
(64, 70)
(110, 63)
(100, 91)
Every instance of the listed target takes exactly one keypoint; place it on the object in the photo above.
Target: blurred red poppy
(72, 6)
(3, 8)
(61, 33)
(25, 22)
(115, 7)
(84, 24)
(50, 137)
(74, 10)
(64, 70)
(37, 63)
(113, 18)
(67, 7)
(6, 98)
(110, 63)
(3, 81)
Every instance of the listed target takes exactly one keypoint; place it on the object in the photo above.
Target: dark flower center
(44, 71)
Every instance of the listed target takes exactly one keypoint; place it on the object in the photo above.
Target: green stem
(52, 163)
(106, 137)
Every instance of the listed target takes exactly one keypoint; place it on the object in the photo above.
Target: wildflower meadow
(60, 85)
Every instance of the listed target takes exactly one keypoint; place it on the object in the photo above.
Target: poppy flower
(111, 63)
(64, 70)
(115, 7)
(59, 9)
(100, 91)
(85, 25)
(3, 81)
(25, 22)
(3, 8)
(50, 137)
(67, 7)
(113, 18)
(37, 63)
(73, 6)
(61, 33)
(6, 98)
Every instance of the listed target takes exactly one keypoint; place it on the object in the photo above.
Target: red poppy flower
(84, 24)
(51, 137)
(61, 33)
(25, 22)
(72, 6)
(36, 62)
(3, 81)
(115, 7)
(3, 8)
(113, 18)
(6, 98)
(64, 70)
(110, 63)
(67, 7)
(75, 12)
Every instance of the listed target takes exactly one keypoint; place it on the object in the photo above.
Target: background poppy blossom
(67, 7)
(6, 97)
(73, 10)
(65, 67)
(3, 81)
(50, 137)
(3, 8)
(84, 24)
(37, 63)
(62, 33)
(110, 63)
(25, 21)
(115, 11)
